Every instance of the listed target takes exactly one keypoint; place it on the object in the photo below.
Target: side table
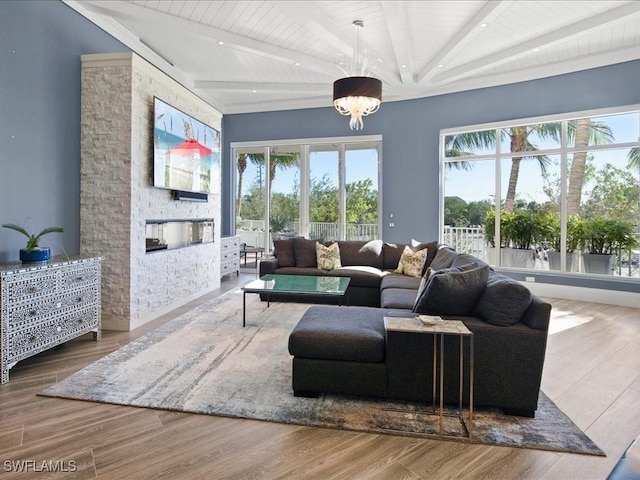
(439, 330)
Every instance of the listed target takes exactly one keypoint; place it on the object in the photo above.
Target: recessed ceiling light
(483, 25)
(440, 65)
(297, 64)
(403, 66)
(536, 49)
(254, 91)
(220, 42)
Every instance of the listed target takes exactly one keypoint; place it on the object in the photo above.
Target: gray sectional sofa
(348, 351)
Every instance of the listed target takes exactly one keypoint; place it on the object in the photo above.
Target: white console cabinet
(229, 255)
(43, 305)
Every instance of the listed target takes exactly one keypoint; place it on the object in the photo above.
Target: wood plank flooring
(592, 372)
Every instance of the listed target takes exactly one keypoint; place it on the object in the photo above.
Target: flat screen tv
(186, 152)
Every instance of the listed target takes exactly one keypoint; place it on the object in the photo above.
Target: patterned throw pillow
(328, 257)
(411, 262)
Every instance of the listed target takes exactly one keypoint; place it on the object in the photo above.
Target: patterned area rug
(205, 362)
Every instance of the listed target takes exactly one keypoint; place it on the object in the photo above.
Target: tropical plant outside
(596, 188)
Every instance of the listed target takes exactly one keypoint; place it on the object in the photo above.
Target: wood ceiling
(249, 56)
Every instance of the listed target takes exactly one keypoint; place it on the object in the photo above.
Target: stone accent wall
(117, 196)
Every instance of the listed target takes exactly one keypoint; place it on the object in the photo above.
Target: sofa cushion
(283, 251)
(503, 301)
(444, 258)
(411, 261)
(391, 253)
(397, 298)
(394, 280)
(466, 259)
(325, 332)
(452, 292)
(328, 258)
(361, 276)
(429, 273)
(355, 252)
(305, 252)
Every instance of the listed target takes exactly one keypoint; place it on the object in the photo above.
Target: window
(559, 195)
(323, 189)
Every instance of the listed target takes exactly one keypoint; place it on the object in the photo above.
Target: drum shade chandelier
(357, 96)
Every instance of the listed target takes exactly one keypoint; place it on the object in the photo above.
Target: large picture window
(559, 195)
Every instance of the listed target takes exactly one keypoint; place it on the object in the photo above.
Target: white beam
(487, 14)
(396, 15)
(557, 36)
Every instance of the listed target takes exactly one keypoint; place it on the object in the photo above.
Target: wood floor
(592, 372)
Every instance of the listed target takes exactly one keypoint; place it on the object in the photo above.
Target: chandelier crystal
(357, 96)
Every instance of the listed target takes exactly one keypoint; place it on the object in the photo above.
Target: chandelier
(357, 96)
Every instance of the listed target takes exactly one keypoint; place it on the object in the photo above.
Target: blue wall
(40, 47)
(410, 133)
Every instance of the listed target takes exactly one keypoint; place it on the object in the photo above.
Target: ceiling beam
(264, 87)
(396, 16)
(557, 36)
(487, 14)
(125, 10)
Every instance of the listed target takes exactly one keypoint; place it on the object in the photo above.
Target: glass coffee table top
(301, 284)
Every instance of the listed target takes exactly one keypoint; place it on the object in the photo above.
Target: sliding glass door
(327, 190)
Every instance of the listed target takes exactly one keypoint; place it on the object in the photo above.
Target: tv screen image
(186, 152)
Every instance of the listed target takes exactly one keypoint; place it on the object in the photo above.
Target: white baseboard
(594, 295)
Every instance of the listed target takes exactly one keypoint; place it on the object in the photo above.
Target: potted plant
(575, 232)
(520, 231)
(32, 252)
(602, 239)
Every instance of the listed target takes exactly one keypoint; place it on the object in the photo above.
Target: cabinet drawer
(229, 256)
(26, 315)
(38, 337)
(80, 276)
(30, 285)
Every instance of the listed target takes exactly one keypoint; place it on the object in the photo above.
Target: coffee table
(299, 285)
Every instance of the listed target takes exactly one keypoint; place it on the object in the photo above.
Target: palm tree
(583, 132)
(256, 159)
(456, 145)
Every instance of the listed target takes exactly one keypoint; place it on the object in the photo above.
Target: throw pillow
(283, 251)
(504, 301)
(328, 258)
(453, 292)
(411, 262)
(430, 272)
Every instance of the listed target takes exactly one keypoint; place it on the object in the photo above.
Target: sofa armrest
(538, 314)
(268, 265)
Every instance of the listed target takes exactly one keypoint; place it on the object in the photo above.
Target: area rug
(205, 362)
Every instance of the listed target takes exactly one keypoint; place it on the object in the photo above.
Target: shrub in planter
(602, 239)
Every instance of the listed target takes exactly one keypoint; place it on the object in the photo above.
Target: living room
(41, 180)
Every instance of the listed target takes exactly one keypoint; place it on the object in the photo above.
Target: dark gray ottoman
(339, 350)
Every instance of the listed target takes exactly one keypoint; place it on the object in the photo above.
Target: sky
(478, 183)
